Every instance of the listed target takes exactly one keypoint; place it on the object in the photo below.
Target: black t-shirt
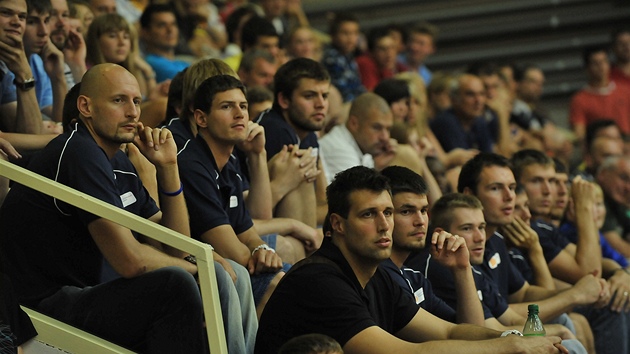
(45, 242)
(327, 298)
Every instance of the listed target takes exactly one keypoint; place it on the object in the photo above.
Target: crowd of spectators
(229, 122)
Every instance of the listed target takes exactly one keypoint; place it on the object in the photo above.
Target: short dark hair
(588, 52)
(424, 28)
(483, 68)
(251, 55)
(470, 172)
(147, 14)
(39, 6)
(70, 112)
(560, 166)
(233, 20)
(256, 27)
(339, 19)
(213, 85)
(392, 90)
(310, 344)
(404, 180)
(348, 181)
(527, 157)
(594, 127)
(375, 35)
(442, 209)
(521, 70)
(288, 76)
(258, 94)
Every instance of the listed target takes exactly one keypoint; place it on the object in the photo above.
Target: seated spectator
(81, 16)
(160, 34)
(602, 97)
(200, 27)
(234, 26)
(363, 141)
(257, 33)
(55, 263)
(46, 60)
(380, 61)
(439, 94)
(339, 56)
(25, 116)
(102, 7)
(360, 222)
(420, 45)
(302, 43)
(257, 68)
(67, 40)
(410, 234)
(259, 99)
(620, 71)
(463, 126)
(112, 40)
(612, 176)
(218, 215)
(399, 34)
(396, 93)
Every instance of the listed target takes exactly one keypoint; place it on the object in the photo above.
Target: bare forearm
(28, 118)
(542, 275)
(550, 306)
(282, 226)
(469, 309)
(259, 197)
(59, 89)
(174, 211)
(26, 142)
(588, 254)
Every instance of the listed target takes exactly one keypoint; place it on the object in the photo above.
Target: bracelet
(265, 247)
(511, 331)
(173, 194)
(191, 259)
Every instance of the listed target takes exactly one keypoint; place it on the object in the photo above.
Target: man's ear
(84, 105)
(337, 224)
(353, 123)
(468, 191)
(200, 118)
(284, 102)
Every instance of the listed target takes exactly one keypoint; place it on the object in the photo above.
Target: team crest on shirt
(419, 295)
(494, 261)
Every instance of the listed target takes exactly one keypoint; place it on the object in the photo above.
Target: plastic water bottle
(533, 326)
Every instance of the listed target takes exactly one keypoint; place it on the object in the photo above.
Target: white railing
(202, 251)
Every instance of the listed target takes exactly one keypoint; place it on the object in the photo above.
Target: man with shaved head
(54, 252)
(363, 141)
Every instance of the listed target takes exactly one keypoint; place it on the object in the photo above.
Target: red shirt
(612, 102)
(371, 74)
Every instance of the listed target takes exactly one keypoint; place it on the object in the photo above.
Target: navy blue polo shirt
(213, 197)
(520, 261)
(497, 264)
(181, 133)
(45, 243)
(443, 284)
(451, 134)
(551, 239)
(416, 285)
(279, 133)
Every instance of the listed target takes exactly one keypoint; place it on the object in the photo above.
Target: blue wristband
(173, 194)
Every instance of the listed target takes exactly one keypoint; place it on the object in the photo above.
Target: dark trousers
(157, 312)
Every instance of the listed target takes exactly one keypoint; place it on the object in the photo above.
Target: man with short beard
(67, 40)
(301, 88)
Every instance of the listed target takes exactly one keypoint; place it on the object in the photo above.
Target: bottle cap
(532, 308)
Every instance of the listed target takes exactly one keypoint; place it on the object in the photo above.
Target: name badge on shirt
(494, 261)
(127, 199)
(233, 201)
(419, 295)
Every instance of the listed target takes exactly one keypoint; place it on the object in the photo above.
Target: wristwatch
(511, 331)
(26, 85)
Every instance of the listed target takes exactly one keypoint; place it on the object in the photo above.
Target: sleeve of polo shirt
(436, 305)
(515, 279)
(492, 299)
(85, 167)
